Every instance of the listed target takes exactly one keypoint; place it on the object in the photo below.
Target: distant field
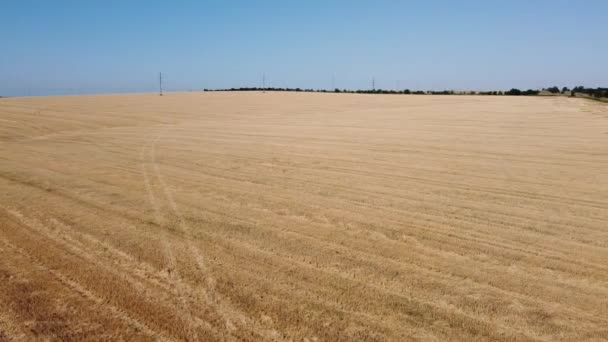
(304, 217)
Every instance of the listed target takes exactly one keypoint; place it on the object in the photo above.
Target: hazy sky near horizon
(65, 47)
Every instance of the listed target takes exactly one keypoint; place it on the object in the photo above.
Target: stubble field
(304, 217)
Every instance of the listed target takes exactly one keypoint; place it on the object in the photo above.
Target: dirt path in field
(233, 318)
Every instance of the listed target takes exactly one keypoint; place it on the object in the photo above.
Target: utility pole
(160, 83)
(373, 84)
(263, 80)
(333, 82)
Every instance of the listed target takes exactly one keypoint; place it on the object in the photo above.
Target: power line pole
(373, 83)
(333, 82)
(160, 83)
(263, 80)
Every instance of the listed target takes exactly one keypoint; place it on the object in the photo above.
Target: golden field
(303, 217)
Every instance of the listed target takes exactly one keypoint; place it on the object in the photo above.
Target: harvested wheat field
(303, 217)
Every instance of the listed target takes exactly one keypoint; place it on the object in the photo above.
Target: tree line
(593, 92)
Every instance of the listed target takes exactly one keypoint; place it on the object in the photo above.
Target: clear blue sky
(54, 47)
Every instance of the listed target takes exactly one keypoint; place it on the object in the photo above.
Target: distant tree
(599, 92)
(513, 91)
(578, 89)
(565, 89)
(336, 90)
(531, 92)
(553, 90)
